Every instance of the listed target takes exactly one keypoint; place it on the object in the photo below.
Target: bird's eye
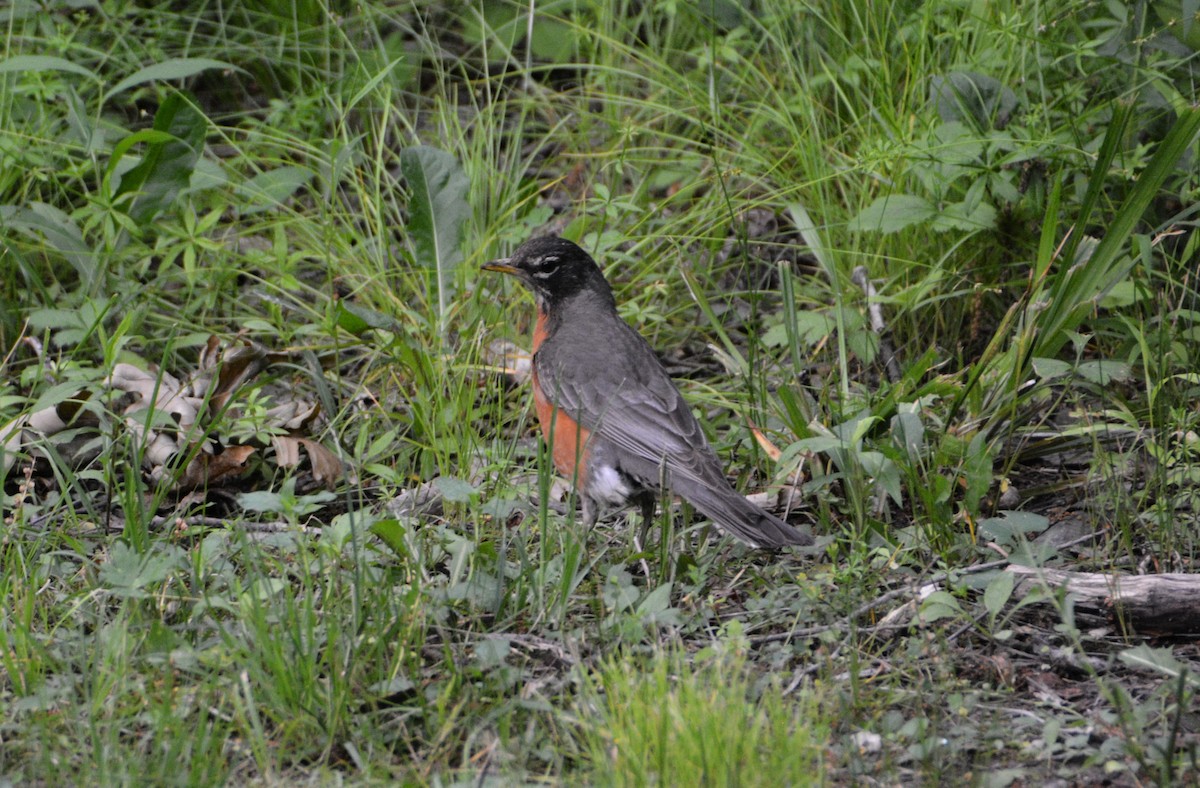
(543, 274)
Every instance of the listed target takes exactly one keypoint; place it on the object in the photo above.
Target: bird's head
(554, 269)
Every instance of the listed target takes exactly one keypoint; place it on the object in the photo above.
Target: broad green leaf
(893, 213)
(261, 501)
(1160, 660)
(966, 217)
(491, 652)
(775, 336)
(884, 473)
(392, 533)
(272, 188)
(127, 572)
(968, 96)
(619, 591)
(358, 319)
(939, 605)
(167, 162)
(454, 490)
(1181, 16)
(1104, 372)
(655, 607)
(908, 432)
(1122, 294)
(44, 63)
(59, 392)
(977, 468)
(1007, 526)
(813, 327)
(657, 601)
(998, 592)
(261, 590)
(504, 25)
(60, 232)
(438, 208)
(174, 68)
(1050, 368)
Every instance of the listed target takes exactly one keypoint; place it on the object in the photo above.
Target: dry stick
(890, 364)
(845, 621)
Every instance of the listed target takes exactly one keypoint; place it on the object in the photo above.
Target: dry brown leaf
(327, 468)
(294, 415)
(235, 367)
(57, 418)
(212, 470)
(287, 450)
(161, 391)
(764, 443)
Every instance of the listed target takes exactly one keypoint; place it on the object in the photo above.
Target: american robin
(613, 418)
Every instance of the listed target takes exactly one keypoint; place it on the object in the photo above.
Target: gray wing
(613, 384)
(618, 389)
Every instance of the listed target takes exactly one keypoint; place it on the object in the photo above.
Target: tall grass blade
(1078, 287)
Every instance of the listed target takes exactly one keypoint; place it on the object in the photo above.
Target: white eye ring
(546, 274)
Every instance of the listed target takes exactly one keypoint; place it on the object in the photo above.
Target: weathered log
(1148, 604)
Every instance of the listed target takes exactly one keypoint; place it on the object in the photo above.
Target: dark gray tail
(740, 518)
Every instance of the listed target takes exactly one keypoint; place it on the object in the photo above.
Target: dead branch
(1148, 604)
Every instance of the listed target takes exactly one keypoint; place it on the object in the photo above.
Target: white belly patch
(608, 486)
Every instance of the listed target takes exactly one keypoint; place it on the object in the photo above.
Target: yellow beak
(502, 265)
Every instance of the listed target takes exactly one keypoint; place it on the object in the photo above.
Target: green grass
(731, 165)
(696, 721)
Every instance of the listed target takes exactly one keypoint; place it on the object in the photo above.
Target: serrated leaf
(893, 213)
(619, 591)
(127, 572)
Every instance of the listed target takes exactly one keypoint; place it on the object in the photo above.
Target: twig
(890, 364)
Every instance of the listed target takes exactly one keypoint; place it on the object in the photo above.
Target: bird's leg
(647, 503)
(590, 514)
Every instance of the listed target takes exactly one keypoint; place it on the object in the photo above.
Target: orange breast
(568, 440)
